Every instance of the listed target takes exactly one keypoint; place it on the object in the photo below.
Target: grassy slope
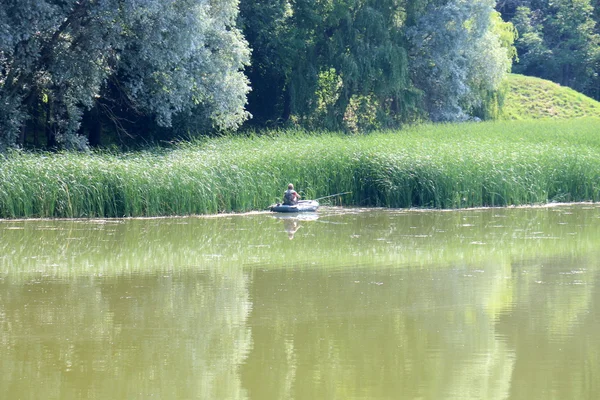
(534, 98)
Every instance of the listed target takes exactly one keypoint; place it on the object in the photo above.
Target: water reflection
(292, 221)
(474, 304)
(291, 227)
(375, 334)
(553, 326)
(174, 335)
(353, 238)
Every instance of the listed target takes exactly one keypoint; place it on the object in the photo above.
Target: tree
(458, 56)
(265, 24)
(558, 40)
(533, 54)
(314, 62)
(365, 64)
(570, 34)
(160, 58)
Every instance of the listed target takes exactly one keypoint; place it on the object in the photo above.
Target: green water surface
(341, 304)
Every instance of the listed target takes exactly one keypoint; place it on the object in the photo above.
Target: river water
(341, 304)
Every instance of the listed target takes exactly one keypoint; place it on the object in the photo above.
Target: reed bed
(442, 166)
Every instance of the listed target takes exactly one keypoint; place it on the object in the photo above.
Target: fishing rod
(332, 195)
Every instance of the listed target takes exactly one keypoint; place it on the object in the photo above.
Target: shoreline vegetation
(449, 166)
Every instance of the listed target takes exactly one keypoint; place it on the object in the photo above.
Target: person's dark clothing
(290, 197)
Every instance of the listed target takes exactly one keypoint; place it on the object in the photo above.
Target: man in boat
(290, 196)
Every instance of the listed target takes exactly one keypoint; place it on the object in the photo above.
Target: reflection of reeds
(447, 166)
(72, 249)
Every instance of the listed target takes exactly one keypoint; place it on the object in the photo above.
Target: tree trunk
(287, 104)
(50, 136)
(92, 126)
(21, 140)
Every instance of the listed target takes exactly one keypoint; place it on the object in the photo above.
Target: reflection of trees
(178, 336)
(123, 308)
(488, 331)
(554, 327)
(375, 334)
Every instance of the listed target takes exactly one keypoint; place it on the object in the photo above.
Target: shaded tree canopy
(155, 58)
(156, 69)
(316, 56)
(361, 64)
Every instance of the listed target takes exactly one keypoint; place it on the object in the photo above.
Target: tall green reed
(442, 166)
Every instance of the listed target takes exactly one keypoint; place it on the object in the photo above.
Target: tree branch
(15, 80)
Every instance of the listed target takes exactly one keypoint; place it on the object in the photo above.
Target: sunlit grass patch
(534, 98)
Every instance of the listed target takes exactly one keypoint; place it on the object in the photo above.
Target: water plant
(434, 166)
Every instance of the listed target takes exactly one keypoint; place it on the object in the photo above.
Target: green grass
(534, 98)
(444, 166)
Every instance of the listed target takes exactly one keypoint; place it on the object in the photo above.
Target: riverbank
(450, 166)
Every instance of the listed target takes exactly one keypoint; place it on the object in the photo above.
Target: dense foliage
(75, 73)
(117, 61)
(558, 40)
(459, 56)
(365, 64)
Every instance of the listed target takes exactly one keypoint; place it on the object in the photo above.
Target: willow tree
(459, 55)
(365, 50)
(160, 58)
(361, 64)
(328, 63)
